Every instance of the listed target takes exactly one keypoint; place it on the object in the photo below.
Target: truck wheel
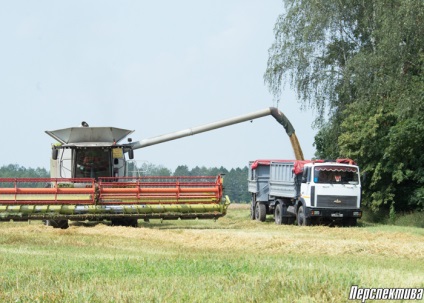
(301, 218)
(252, 209)
(260, 212)
(63, 224)
(278, 214)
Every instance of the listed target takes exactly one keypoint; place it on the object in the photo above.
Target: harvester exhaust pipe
(277, 114)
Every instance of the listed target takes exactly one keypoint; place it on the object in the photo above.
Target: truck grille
(336, 201)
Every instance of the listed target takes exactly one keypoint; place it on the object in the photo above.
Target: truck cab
(329, 190)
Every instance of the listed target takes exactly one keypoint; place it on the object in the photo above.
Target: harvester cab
(89, 152)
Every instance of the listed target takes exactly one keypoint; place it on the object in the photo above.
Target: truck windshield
(336, 174)
(92, 163)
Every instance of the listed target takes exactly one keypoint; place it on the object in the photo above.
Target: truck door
(305, 188)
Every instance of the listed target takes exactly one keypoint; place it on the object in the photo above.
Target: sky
(151, 66)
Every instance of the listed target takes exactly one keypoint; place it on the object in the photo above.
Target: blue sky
(151, 66)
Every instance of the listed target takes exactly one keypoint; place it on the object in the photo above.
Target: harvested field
(231, 260)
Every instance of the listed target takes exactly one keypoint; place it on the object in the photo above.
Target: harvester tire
(63, 224)
(125, 222)
(260, 212)
(133, 222)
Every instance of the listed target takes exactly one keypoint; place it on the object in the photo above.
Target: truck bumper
(333, 213)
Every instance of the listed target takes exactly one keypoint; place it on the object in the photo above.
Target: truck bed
(272, 178)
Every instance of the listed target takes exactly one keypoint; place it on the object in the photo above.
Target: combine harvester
(91, 180)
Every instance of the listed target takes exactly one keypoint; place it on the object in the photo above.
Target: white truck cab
(330, 190)
(309, 191)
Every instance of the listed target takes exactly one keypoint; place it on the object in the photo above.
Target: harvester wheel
(125, 222)
(302, 220)
(133, 222)
(63, 224)
(260, 212)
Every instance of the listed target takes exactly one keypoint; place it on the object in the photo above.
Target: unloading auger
(92, 179)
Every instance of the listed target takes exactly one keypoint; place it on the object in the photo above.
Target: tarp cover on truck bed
(298, 164)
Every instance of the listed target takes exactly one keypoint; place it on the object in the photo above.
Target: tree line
(359, 65)
(17, 171)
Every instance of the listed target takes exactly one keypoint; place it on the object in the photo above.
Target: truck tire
(282, 216)
(63, 224)
(252, 208)
(278, 214)
(260, 212)
(302, 220)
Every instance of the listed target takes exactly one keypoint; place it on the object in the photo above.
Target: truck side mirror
(131, 154)
(55, 153)
(305, 175)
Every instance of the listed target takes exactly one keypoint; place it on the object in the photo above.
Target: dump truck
(309, 192)
(91, 179)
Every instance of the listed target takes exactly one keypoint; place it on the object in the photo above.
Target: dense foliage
(361, 64)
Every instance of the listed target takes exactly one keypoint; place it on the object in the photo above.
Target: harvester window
(92, 163)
